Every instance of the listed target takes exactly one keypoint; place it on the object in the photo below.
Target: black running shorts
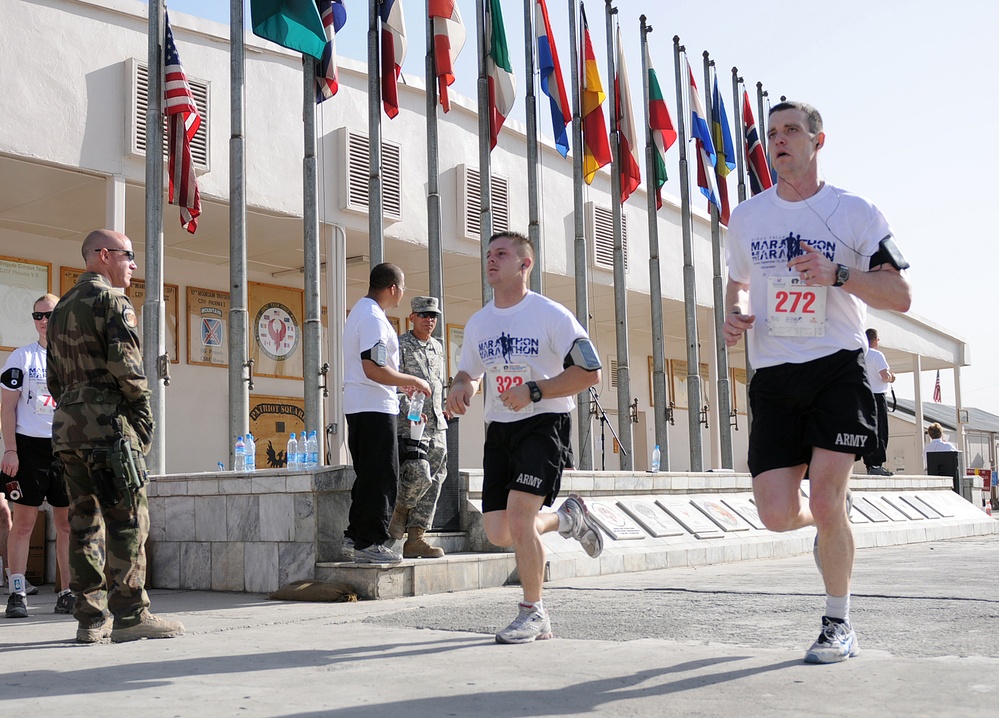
(526, 455)
(39, 475)
(825, 403)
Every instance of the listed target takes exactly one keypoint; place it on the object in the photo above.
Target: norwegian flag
(183, 122)
(759, 171)
(334, 15)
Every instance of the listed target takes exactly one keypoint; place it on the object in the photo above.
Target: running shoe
(65, 602)
(581, 526)
(17, 606)
(347, 548)
(530, 625)
(815, 544)
(836, 643)
(376, 553)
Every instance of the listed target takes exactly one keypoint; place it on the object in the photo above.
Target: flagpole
(624, 419)
(485, 169)
(582, 267)
(153, 305)
(434, 246)
(240, 370)
(740, 146)
(376, 246)
(533, 214)
(312, 326)
(718, 287)
(659, 397)
(689, 289)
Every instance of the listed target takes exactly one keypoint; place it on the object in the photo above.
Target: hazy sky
(904, 87)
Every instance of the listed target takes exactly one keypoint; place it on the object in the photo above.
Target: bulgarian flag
(502, 86)
(663, 131)
(631, 174)
(596, 144)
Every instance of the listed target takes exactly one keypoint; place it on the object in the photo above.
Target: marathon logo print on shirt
(779, 250)
(507, 346)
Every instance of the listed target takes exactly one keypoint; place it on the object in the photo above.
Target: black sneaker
(65, 602)
(17, 606)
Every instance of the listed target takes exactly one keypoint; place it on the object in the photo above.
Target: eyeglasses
(401, 287)
(427, 315)
(129, 254)
(39, 316)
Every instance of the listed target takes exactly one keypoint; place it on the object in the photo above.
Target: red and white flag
(393, 53)
(183, 122)
(449, 38)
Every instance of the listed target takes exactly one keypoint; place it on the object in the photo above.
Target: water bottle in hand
(416, 406)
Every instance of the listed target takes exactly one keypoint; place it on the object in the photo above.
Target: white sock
(537, 605)
(16, 584)
(564, 521)
(64, 592)
(838, 607)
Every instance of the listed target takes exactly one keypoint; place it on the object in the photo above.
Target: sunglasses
(39, 316)
(129, 254)
(427, 315)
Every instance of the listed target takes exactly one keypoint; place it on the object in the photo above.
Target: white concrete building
(71, 161)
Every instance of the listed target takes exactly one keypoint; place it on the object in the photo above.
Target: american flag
(937, 396)
(183, 122)
(334, 16)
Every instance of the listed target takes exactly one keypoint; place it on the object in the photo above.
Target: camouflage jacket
(95, 369)
(427, 361)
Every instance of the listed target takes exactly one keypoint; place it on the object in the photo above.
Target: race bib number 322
(795, 309)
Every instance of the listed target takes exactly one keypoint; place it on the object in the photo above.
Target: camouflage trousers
(107, 547)
(420, 480)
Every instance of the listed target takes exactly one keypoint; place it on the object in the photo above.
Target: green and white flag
(294, 24)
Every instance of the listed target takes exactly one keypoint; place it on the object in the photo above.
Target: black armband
(888, 253)
(582, 354)
(12, 379)
(378, 354)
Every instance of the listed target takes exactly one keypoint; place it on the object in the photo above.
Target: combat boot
(98, 633)
(397, 526)
(417, 547)
(149, 626)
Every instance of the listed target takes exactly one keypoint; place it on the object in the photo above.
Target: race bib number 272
(794, 309)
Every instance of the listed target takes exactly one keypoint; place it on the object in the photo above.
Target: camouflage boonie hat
(425, 304)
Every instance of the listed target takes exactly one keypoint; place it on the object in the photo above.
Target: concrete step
(420, 576)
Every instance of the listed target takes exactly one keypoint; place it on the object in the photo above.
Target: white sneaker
(530, 625)
(581, 527)
(836, 643)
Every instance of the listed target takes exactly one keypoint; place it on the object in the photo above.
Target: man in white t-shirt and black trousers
(881, 377)
(536, 357)
(370, 377)
(805, 260)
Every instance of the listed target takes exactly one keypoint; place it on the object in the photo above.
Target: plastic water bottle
(655, 459)
(251, 453)
(312, 447)
(416, 406)
(239, 455)
(303, 452)
(291, 453)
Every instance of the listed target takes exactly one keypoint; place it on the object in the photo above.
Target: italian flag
(502, 86)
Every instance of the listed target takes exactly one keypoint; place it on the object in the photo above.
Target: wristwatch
(842, 275)
(535, 391)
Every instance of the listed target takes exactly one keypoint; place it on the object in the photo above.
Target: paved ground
(717, 640)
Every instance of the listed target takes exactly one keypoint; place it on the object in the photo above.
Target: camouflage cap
(425, 304)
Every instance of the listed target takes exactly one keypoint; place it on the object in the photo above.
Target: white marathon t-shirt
(763, 230)
(514, 345)
(876, 362)
(24, 372)
(367, 325)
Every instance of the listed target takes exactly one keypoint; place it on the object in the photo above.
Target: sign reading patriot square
(207, 327)
(276, 328)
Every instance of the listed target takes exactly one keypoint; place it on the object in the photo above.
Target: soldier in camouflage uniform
(424, 462)
(95, 375)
